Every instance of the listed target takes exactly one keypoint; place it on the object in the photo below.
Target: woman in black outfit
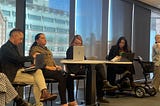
(118, 50)
(101, 80)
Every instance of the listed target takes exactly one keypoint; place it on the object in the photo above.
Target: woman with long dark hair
(117, 51)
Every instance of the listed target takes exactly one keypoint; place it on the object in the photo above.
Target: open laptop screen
(128, 57)
(39, 64)
(78, 52)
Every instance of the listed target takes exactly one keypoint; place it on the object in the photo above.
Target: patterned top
(156, 55)
(7, 91)
(48, 57)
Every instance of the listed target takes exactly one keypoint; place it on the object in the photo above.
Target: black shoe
(23, 104)
(111, 94)
(108, 86)
(102, 100)
(20, 102)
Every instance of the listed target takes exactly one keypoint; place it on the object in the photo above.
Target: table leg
(91, 87)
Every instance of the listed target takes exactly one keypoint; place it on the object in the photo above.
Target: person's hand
(50, 68)
(35, 54)
(59, 68)
(158, 44)
(119, 57)
(116, 58)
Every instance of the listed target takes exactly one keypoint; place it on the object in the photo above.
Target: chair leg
(30, 89)
(84, 89)
(13, 103)
(48, 85)
(77, 85)
(51, 92)
(17, 89)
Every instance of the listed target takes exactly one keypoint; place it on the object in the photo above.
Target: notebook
(39, 63)
(78, 53)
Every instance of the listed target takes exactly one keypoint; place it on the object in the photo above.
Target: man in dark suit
(13, 63)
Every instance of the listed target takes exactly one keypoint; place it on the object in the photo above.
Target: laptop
(128, 57)
(39, 64)
(78, 53)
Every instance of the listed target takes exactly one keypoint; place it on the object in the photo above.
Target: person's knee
(39, 71)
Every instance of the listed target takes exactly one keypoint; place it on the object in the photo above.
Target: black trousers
(112, 70)
(58, 75)
(70, 84)
(100, 76)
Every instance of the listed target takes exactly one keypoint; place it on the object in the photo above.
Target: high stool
(50, 82)
(77, 78)
(18, 85)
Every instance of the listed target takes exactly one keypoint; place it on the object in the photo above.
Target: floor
(127, 99)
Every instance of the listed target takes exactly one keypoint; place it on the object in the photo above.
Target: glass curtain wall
(7, 18)
(155, 29)
(89, 25)
(50, 17)
(120, 21)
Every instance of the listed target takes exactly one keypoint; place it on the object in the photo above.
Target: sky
(59, 4)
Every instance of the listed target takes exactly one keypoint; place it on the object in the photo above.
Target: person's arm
(154, 56)
(112, 53)
(11, 55)
(69, 53)
(50, 68)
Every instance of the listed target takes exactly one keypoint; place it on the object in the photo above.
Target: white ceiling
(155, 3)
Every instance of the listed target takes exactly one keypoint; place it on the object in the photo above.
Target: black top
(69, 53)
(11, 60)
(114, 51)
(73, 68)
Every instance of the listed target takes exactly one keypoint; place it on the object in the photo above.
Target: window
(36, 28)
(50, 17)
(34, 17)
(89, 25)
(13, 13)
(120, 13)
(155, 29)
(7, 18)
(47, 19)
(6, 13)
(49, 29)
(59, 21)
(10, 25)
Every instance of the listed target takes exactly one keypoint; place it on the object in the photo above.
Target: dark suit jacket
(11, 60)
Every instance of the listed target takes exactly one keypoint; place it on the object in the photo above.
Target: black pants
(70, 88)
(112, 70)
(100, 77)
(58, 75)
(70, 85)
